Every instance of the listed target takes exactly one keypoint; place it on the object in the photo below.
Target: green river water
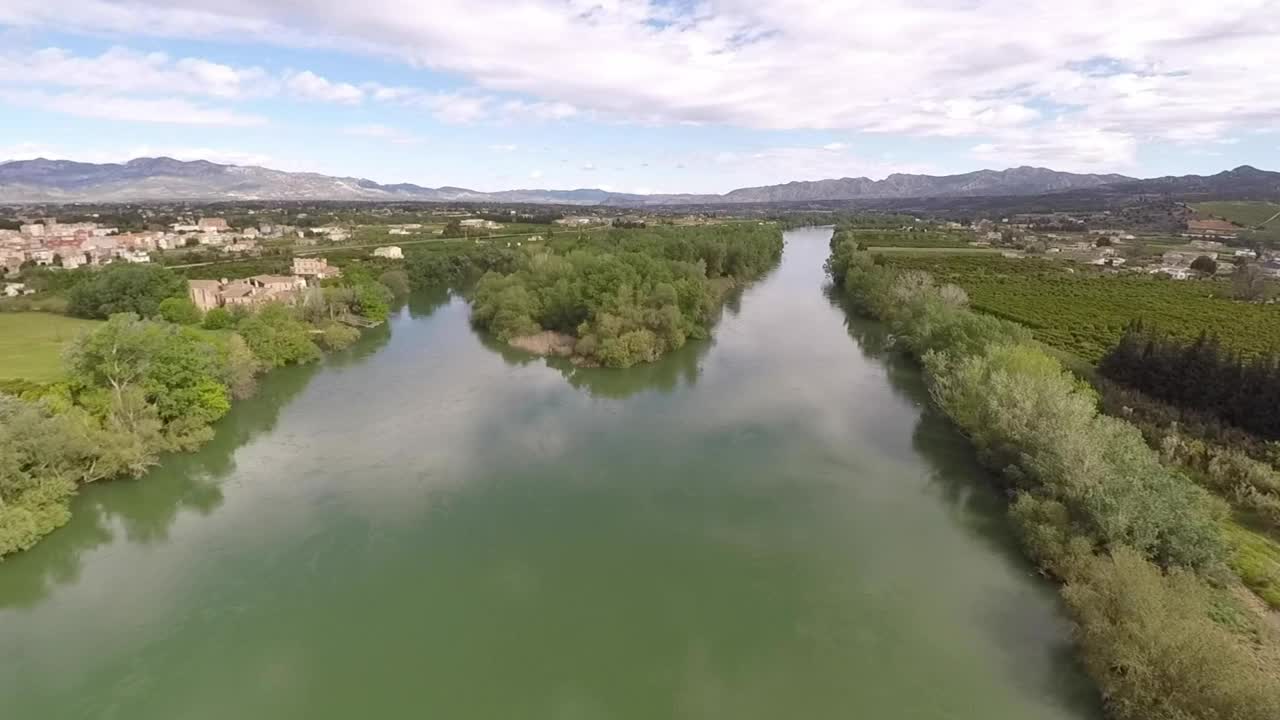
(769, 524)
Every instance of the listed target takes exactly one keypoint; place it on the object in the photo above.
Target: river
(768, 524)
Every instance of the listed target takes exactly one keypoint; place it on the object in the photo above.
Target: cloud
(732, 169)
(124, 71)
(504, 148)
(1065, 147)
(309, 86)
(589, 166)
(108, 107)
(1005, 75)
(835, 146)
(535, 175)
(383, 132)
(1147, 69)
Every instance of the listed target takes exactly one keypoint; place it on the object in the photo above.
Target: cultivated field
(1249, 213)
(1084, 312)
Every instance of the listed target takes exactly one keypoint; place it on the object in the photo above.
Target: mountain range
(166, 179)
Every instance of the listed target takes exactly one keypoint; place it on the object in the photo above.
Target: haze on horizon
(644, 96)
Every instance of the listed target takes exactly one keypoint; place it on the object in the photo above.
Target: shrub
(180, 311)
(218, 319)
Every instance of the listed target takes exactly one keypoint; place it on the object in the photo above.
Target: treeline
(627, 296)
(454, 264)
(151, 379)
(1138, 545)
(1201, 375)
(883, 221)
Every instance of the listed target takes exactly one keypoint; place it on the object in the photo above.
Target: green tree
(397, 281)
(278, 338)
(453, 229)
(1205, 265)
(175, 368)
(218, 319)
(119, 288)
(180, 311)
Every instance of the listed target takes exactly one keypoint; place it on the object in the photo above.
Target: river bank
(1138, 546)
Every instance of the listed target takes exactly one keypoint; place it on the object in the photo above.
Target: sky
(631, 96)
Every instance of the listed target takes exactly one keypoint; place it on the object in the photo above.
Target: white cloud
(506, 147)
(107, 107)
(835, 146)
(310, 86)
(1008, 75)
(29, 151)
(588, 166)
(122, 70)
(1064, 147)
(535, 175)
(766, 166)
(383, 132)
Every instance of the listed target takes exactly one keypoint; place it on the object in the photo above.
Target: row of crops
(1084, 312)
(913, 239)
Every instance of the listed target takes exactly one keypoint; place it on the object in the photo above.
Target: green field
(900, 239)
(939, 250)
(31, 344)
(1250, 213)
(1083, 313)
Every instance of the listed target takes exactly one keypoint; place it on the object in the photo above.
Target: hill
(166, 179)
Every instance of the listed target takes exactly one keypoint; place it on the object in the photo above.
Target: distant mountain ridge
(166, 179)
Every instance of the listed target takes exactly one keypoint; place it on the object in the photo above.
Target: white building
(390, 252)
(1177, 273)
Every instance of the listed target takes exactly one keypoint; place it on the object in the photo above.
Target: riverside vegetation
(1139, 547)
(151, 379)
(627, 296)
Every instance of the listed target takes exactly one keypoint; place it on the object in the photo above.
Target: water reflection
(144, 510)
(974, 494)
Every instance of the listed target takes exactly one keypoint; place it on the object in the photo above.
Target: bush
(1151, 642)
(336, 336)
(180, 311)
(397, 281)
(218, 319)
(278, 338)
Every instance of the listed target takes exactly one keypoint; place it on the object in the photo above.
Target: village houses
(318, 268)
(209, 294)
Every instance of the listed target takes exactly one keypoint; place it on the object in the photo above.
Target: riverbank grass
(31, 344)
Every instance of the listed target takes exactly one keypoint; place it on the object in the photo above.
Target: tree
(397, 281)
(180, 311)
(1205, 265)
(177, 371)
(452, 229)
(278, 338)
(218, 319)
(1248, 282)
(1103, 241)
(125, 288)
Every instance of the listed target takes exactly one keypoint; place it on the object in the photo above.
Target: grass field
(1250, 213)
(31, 344)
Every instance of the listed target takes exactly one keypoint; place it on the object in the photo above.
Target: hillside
(166, 179)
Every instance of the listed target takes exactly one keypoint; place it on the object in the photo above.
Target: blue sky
(644, 96)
